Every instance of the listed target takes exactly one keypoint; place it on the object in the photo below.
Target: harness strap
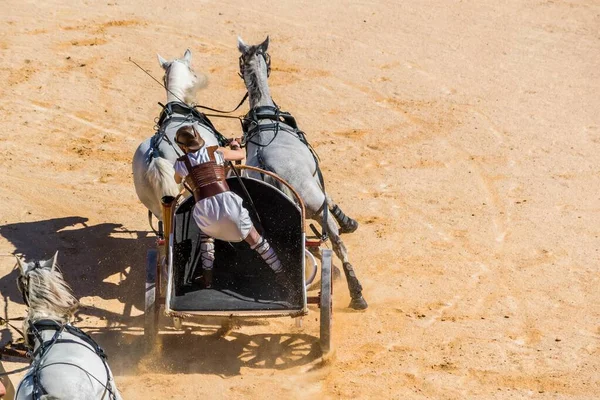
(211, 150)
(45, 346)
(176, 107)
(191, 114)
(6, 321)
(38, 388)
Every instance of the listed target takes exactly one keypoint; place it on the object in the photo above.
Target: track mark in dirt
(380, 79)
(437, 313)
(73, 117)
(85, 42)
(389, 65)
(502, 218)
(540, 383)
(21, 74)
(414, 66)
(37, 32)
(352, 133)
(287, 73)
(426, 321)
(100, 28)
(492, 127)
(430, 118)
(371, 220)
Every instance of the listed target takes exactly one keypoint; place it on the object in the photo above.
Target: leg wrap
(354, 285)
(264, 249)
(347, 224)
(207, 251)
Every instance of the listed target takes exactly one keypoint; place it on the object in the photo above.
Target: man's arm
(234, 153)
(178, 178)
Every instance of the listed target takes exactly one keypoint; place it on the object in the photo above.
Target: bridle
(24, 286)
(264, 55)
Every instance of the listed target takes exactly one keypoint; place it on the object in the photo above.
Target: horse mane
(49, 296)
(253, 83)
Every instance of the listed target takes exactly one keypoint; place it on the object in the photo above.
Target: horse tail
(161, 174)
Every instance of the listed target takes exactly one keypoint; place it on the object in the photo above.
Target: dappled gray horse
(153, 173)
(274, 143)
(66, 363)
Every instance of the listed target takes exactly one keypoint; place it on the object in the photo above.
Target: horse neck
(178, 90)
(178, 95)
(258, 89)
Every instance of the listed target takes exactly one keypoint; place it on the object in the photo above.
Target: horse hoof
(358, 303)
(350, 227)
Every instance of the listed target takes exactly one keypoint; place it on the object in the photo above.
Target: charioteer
(218, 212)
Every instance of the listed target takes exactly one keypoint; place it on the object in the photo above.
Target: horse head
(255, 68)
(45, 292)
(254, 58)
(180, 80)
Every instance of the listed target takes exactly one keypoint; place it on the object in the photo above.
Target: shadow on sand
(88, 255)
(203, 350)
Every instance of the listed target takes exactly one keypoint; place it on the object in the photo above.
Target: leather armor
(206, 179)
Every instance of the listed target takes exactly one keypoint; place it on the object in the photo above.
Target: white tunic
(221, 216)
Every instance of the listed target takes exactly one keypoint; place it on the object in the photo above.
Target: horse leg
(314, 199)
(358, 302)
(347, 224)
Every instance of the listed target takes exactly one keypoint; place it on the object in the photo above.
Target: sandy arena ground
(463, 136)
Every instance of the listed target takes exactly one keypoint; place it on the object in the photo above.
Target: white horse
(66, 363)
(153, 173)
(274, 143)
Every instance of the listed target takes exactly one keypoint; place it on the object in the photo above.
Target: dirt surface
(463, 136)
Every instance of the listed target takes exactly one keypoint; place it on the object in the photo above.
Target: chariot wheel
(326, 302)
(152, 307)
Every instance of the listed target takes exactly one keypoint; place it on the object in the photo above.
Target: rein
(5, 321)
(221, 111)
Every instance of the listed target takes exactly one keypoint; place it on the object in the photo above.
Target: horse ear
(23, 266)
(54, 261)
(264, 45)
(51, 263)
(242, 47)
(187, 57)
(163, 63)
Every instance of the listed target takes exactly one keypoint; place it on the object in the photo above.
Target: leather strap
(210, 190)
(187, 162)
(211, 152)
(202, 191)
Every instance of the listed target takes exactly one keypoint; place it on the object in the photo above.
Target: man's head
(188, 139)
